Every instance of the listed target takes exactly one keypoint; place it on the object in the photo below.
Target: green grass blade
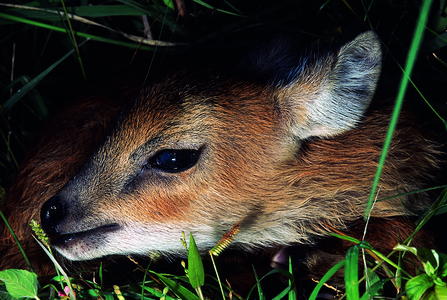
(58, 267)
(258, 286)
(288, 289)
(282, 294)
(374, 289)
(438, 207)
(8, 147)
(344, 237)
(411, 58)
(292, 293)
(219, 10)
(154, 292)
(217, 276)
(325, 278)
(351, 273)
(98, 38)
(32, 84)
(71, 32)
(414, 192)
(180, 291)
(16, 240)
(414, 84)
(155, 11)
(76, 12)
(196, 272)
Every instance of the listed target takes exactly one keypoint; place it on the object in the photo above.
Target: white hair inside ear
(330, 94)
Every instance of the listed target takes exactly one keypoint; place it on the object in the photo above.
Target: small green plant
(19, 284)
(195, 271)
(432, 283)
(24, 284)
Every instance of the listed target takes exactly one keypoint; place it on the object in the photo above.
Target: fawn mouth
(95, 233)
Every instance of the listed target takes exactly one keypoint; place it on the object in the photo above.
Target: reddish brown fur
(410, 154)
(68, 140)
(57, 156)
(323, 183)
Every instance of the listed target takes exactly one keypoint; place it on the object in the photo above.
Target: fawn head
(199, 152)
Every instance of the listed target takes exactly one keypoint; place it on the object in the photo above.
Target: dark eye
(174, 161)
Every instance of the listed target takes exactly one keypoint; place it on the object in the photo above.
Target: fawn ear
(327, 95)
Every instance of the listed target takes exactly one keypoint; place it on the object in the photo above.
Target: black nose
(52, 214)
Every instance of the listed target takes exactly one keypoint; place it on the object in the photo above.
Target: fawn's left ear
(328, 95)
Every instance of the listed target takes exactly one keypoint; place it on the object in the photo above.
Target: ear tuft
(330, 94)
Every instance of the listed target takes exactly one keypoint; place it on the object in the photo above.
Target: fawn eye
(174, 161)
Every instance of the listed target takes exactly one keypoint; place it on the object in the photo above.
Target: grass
(76, 42)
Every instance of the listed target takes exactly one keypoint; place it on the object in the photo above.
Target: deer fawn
(285, 147)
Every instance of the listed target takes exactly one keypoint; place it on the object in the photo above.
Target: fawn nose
(52, 214)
